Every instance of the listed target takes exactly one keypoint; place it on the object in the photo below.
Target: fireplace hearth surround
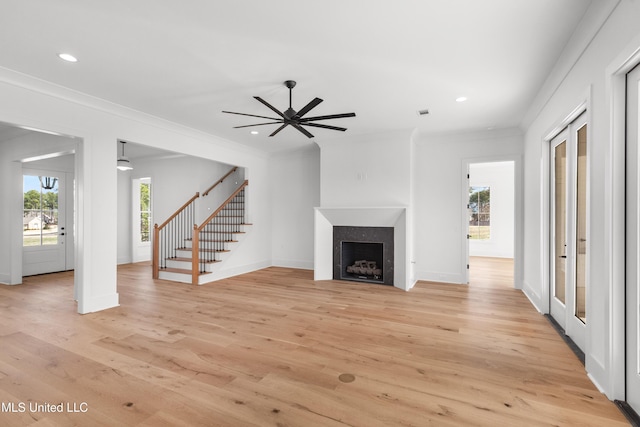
(326, 218)
(355, 246)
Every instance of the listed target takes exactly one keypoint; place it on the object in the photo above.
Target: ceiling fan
(291, 117)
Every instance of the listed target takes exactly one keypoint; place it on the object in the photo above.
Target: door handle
(62, 234)
(562, 256)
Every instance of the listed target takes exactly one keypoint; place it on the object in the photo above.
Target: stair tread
(205, 250)
(213, 241)
(183, 259)
(218, 223)
(222, 232)
(181, 271)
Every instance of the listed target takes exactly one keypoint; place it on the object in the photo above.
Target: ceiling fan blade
(325, 126)
(251, 115)
(330, 116)
(311, 105)
(301, 129)
(274, 109)
(258, 124)
(279, 129)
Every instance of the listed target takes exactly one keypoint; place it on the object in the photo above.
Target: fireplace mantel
(396, 217)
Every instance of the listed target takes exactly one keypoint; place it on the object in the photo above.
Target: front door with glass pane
(43, 222)
(568, 245)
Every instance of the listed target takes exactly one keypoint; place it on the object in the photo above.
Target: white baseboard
(234, 271)
(532, 295)
(430, 276)
(288, 263)
(99, 303)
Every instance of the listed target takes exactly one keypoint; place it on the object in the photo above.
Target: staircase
(186, 252)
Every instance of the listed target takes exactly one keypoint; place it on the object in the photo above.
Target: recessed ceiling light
(254, 132)
(67, 57)
(461, 99)
(423, 112)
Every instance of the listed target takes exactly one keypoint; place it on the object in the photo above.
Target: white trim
(518, 243)
(615, 215)
(531, 295)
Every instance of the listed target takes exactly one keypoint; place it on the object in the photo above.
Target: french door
(632, 244)
(569, 245)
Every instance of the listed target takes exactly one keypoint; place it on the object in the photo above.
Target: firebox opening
(362, 261)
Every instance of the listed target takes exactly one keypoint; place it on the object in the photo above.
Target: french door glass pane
(560, 220)
(581, 222)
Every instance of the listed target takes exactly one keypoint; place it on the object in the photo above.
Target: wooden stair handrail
(206, 193)
(175, 214)
(225, 203)
(195, 240)
(155, 263)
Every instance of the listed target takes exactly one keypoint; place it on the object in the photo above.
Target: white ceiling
(382, 59)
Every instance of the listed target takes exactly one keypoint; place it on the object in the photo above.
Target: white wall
(583, 77)
(500, 177)
(439, 201)
(368, 170)
(295, 192)
(98, 125)
(125, 218)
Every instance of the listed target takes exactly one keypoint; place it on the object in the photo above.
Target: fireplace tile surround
(350, 234)
(395, 218)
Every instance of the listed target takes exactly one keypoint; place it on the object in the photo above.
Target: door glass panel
(581, 223)
(560, 220)
(40, 212)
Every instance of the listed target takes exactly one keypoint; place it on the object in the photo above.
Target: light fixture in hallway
(123, 162)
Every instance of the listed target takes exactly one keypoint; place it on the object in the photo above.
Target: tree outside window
(145, 211)
(40, 211)
(480, 213)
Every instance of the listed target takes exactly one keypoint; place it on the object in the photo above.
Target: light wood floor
(491, 272)
(275, 348)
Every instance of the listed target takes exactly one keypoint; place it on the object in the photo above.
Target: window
(145, 210)
(480, 213)
(40, 211)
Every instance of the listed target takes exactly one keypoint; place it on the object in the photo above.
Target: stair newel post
(156, 251)
(195, 260)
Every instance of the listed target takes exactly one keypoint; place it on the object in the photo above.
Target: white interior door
(44, 222)
(632, 252)
(569, 243)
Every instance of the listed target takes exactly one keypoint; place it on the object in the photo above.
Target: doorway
(47, 220)
(491, 214)
(568, 229)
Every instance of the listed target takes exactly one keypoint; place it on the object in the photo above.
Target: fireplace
(363, 254)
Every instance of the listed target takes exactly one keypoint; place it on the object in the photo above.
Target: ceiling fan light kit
(293, 118)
